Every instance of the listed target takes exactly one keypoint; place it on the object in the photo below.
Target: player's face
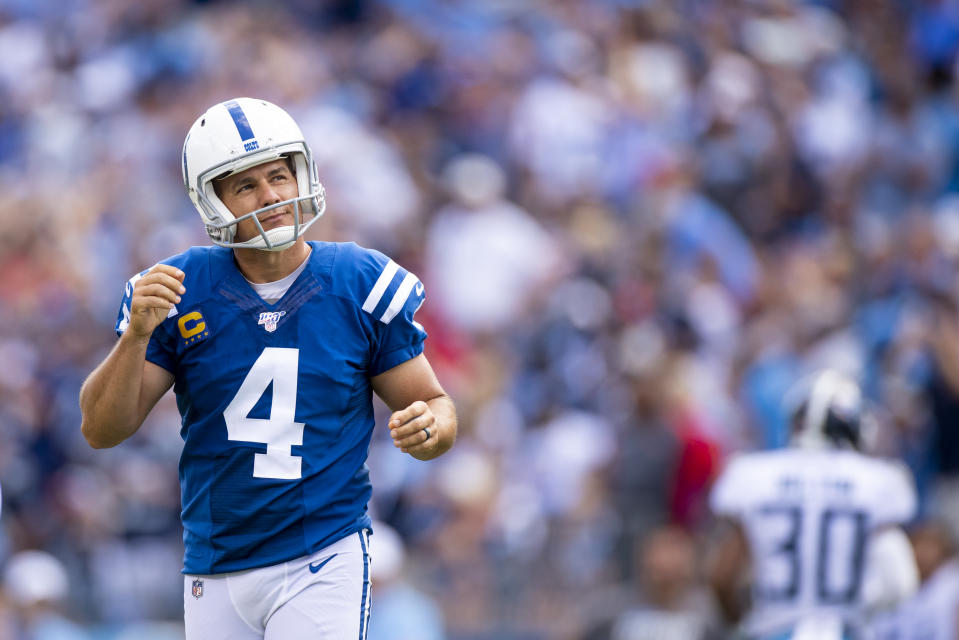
(259, 187)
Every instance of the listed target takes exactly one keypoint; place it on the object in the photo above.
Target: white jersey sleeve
(734, 491)
(896, 501)
(891, 575)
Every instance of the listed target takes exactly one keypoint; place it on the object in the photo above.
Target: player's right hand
(153, 296)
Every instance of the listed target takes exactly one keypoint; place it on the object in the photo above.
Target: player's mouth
(273, 218)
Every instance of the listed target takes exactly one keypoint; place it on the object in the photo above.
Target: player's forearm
(444, 428)
(729, 599)
(725, 571)
(110, 396)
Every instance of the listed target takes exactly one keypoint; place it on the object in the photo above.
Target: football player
(273, 346)
(817, 522)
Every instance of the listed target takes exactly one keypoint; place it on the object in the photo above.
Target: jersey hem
(352, 530)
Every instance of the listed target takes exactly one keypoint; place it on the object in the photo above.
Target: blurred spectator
(403, 612)
(486, 257)
(941, 386)
(933, 613)
(645, 468)
(37, 585)
(670, 602)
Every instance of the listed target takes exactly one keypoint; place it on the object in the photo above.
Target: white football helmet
(828, 412)
(233, 136)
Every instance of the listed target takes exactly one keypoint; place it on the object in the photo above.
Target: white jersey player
(818, 522)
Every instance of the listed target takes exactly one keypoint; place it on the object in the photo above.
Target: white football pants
(318, 597)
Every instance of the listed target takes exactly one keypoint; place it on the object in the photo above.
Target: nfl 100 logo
(269, 319)
(197, 588)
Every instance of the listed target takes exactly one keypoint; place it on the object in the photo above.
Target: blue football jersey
(276, 400)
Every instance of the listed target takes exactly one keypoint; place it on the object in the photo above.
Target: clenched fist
(414, 429)
(153, 296)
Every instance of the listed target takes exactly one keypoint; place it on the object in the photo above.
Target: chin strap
(280, 238)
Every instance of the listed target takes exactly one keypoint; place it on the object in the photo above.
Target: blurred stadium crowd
(639, 222)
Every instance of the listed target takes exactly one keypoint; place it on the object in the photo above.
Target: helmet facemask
(222, 223)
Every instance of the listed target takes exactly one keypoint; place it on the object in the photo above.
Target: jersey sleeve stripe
(365, 598)
(380, 287)
(399, 298)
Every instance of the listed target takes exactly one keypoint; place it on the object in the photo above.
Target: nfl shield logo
(269, 319)
(197, 588)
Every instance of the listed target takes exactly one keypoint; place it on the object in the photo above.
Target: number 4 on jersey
(280, 431)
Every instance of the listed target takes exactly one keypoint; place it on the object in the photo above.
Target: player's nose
(268, 195)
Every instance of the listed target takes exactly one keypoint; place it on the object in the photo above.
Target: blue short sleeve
(400, 335)
(388, 296)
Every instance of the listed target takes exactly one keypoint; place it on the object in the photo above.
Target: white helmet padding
(234, 136)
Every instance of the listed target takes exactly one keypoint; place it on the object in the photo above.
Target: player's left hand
(410, 428)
